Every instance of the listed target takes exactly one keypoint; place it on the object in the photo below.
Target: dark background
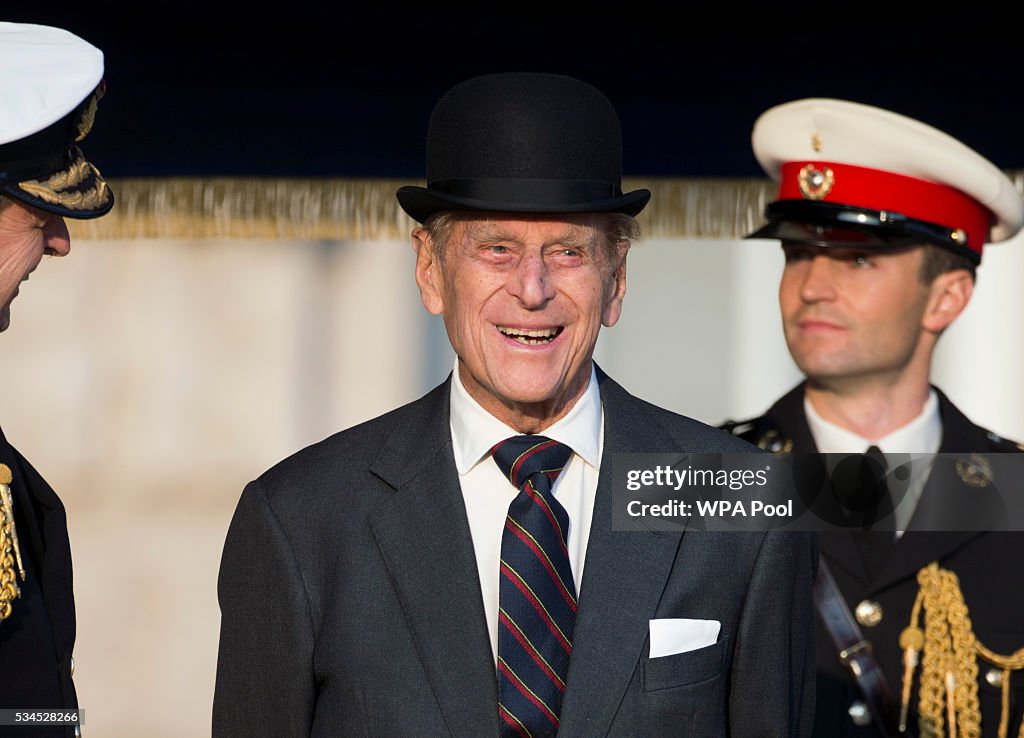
(304, 89)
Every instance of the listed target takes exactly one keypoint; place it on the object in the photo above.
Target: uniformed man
(882, 221)
(50, 83)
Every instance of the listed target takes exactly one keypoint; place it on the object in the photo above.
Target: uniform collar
(923, 434)
(475, 431)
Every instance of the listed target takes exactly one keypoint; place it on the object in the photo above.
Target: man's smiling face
(26, 235)
(523, 298)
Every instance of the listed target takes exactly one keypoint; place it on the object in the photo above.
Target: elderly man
(450, 568)
(882, 221)
(50, 82)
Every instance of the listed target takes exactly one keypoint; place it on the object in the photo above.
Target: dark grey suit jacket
(351, 604)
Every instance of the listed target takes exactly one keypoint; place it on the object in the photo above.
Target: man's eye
(861, 261)
(495, 248)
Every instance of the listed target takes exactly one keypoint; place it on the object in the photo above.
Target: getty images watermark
(817, 492)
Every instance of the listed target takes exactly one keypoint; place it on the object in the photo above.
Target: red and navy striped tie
(537, 596)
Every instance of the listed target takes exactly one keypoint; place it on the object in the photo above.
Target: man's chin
(828, 376)
(539, 394)
(821, 360)
(520, 396)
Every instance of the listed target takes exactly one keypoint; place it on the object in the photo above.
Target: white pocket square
(678, 635)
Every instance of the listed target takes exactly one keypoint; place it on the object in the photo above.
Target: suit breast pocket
(682, 669)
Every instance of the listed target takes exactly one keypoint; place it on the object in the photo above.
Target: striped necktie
(537, 596)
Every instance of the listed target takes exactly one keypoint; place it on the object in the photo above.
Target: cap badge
(815, 183)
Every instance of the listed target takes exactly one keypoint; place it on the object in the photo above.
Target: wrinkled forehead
(581, 230)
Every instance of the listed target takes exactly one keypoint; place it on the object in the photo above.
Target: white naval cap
(46, 73)
(50, 83)
(854, 173)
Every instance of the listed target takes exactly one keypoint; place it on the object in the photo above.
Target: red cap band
(875, 189)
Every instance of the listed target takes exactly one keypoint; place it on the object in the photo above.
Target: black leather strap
(855, 651)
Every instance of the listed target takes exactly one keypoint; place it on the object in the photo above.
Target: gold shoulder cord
(9, 550)
(948, 693)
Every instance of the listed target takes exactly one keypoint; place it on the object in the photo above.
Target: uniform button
(868, 613)
(72, 666)
(859, 714)
(78, 731)
(994, 677)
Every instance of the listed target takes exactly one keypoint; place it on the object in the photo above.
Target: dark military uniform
(53, 82)
(990, 566)
(37, 639)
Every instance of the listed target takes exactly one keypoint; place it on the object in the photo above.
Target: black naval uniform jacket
(37, 639)
(990, 566)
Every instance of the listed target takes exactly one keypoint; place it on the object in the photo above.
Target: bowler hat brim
(422, 202)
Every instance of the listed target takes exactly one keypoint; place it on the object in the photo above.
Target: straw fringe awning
(366, 209)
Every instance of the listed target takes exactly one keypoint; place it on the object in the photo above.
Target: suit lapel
(424, 537)
(623, 578)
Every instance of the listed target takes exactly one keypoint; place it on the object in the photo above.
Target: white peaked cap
(45, 73)
(838, 131)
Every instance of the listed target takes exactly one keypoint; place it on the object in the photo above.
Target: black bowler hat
(523, 142)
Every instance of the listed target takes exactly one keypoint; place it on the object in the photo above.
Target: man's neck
(872, 410)
(524, 417)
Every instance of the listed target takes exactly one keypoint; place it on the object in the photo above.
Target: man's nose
(56, 239)
(817, 284)
(531, 282)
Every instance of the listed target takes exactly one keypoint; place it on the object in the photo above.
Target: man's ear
(947, 298)
(615, 287)
(428, 271)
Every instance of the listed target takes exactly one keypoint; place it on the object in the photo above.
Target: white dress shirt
(916, 442)
(488, 493)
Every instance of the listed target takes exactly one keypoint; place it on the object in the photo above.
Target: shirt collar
(475, 431)
(923, 434)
